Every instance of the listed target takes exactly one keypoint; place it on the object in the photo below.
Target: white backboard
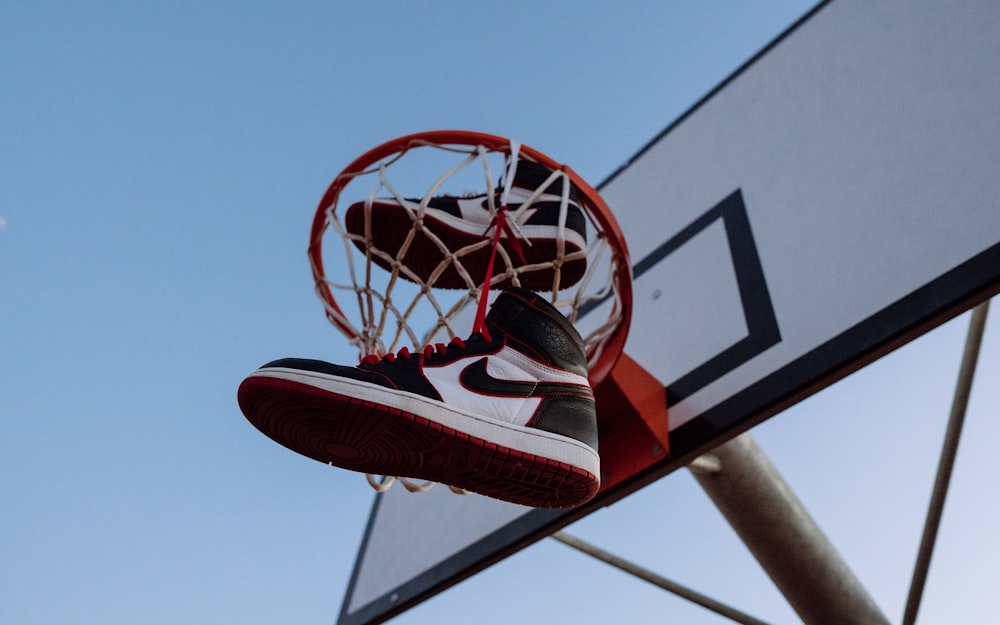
(834, 198)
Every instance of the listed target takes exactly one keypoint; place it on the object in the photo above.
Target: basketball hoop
(384, 298)
(408, 288)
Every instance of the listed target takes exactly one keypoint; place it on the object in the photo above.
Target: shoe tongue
(531, 320)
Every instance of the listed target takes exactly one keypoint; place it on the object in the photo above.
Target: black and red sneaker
(460, 222)
(508, 413)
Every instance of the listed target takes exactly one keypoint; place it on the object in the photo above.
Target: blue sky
(159, 166)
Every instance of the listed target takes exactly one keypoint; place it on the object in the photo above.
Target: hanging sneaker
(508, 413)
(460, 222)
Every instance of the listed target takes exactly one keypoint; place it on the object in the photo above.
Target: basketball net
(393, 305)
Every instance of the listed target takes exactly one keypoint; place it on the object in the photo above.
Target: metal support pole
(956, 419)
(783, 537)
(657, 580)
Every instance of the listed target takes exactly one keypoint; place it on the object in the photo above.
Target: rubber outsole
(423, 256)
(368, 437)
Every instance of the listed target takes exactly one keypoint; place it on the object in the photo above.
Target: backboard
(831, 200)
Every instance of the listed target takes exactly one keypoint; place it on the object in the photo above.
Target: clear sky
(159, 167)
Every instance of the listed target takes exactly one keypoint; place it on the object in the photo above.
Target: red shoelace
(427, 352)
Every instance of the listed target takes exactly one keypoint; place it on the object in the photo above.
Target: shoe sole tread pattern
(366, 436)
(424, 256)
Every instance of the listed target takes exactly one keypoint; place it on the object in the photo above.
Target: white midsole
(538, 442)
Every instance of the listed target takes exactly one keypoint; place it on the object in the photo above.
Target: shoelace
(405, 353)
(500, 223)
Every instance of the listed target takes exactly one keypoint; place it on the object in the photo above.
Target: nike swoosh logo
(476, 378)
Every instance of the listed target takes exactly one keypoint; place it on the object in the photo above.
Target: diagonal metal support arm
(657, 580)
(949, 451)
(782, 536)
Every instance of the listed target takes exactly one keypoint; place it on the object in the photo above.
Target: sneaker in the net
(460, 223)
